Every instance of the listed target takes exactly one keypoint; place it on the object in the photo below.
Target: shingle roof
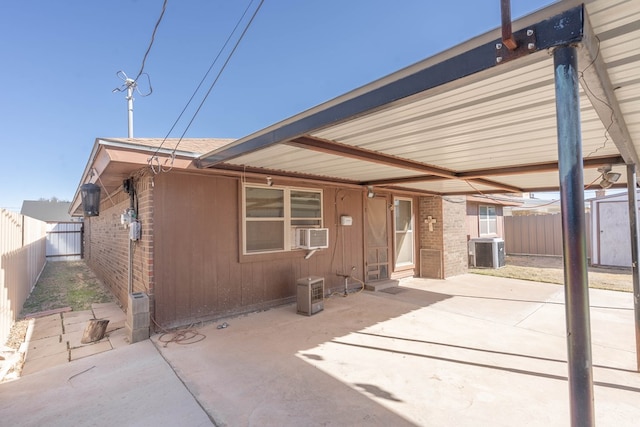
(192, 145)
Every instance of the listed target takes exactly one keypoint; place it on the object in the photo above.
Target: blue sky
(60, 59)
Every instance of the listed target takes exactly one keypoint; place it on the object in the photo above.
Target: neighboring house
(485, 215)
(64, 232)
(532, 206)
(610, 236)
(216, 242)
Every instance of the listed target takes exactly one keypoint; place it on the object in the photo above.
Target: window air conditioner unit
(312, 238)
(486, 252)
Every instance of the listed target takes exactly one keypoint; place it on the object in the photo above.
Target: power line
(215, 60)
(244, 31)
(221, 71)
(153, 36)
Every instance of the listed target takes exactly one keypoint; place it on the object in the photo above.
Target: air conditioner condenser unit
(487, 252)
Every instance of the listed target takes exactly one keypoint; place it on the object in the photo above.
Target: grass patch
(550, 270)
(66, 284)
(523, 273)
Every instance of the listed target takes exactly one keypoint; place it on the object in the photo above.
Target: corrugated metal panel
(292, 159)
(500, 117)
(449, 187)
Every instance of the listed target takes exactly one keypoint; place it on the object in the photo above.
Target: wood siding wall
(22, 259)
(199, 270)
(473, 220)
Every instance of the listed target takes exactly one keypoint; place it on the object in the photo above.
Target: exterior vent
(486, 252)
(312, 238)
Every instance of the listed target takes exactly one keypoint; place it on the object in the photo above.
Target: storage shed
(610, 230)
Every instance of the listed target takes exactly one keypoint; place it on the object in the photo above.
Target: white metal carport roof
(471, 119)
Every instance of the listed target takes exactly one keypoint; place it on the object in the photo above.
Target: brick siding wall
(107, 243)
(454, 211)
(449, 235)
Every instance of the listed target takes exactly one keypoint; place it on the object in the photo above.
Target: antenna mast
(130, 85)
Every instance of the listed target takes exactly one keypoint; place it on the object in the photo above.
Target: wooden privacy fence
(537, 234)
(22, 258)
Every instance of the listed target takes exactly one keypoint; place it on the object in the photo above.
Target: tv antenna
(130, 85)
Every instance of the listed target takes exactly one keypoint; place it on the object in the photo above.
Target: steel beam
(574, 246)
(635, 252)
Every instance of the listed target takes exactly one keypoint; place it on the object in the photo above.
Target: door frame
(387, 198)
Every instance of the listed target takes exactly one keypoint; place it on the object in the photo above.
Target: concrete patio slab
(130, 386)
(90, 349)
(467, 351)
(112, 312)
(44, 363)
(48, 329)
(45, 320)
(58, 347)
(46, 347)
(74, 339)
(75, 327)
(118, 338)
(73, 317)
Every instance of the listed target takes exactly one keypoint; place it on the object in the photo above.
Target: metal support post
(635, 252)
(574, 247)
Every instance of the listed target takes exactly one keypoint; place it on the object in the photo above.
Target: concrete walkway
(467, 351)
(127, 386)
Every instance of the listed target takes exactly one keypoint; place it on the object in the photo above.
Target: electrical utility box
(487, 252)
(310, 295)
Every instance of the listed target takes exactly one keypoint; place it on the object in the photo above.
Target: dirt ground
(61, 284)
(549, 269)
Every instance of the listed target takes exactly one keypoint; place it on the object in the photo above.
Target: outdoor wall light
(269, 181)
(370, 193)
(90, 194)
(608, 178)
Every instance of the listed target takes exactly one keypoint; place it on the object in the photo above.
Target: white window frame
(289, 221)
(485, 221)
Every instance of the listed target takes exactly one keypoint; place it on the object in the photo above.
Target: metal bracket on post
(512, 45)
(526, 44)
(507, 35)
